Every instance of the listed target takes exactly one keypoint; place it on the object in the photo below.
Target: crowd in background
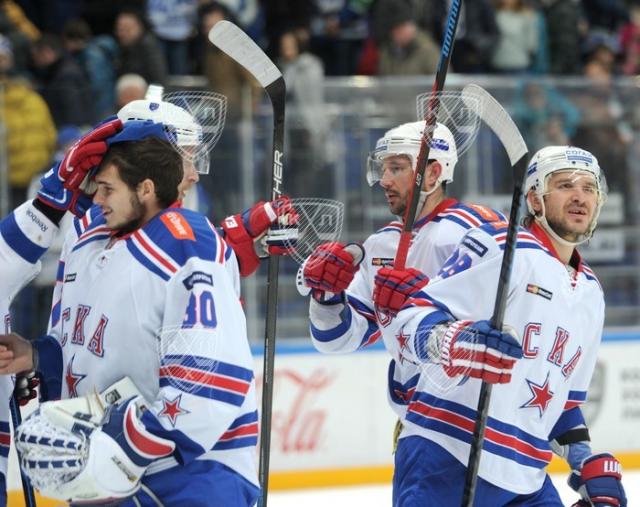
(66, 64)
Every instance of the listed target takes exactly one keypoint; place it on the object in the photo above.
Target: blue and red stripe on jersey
(207, 378)
(243, 432)
(458, 421)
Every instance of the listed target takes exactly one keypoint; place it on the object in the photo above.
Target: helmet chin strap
(422, 201)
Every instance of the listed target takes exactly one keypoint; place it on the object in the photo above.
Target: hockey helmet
(553, 159)
(181, 126)
(405, 140)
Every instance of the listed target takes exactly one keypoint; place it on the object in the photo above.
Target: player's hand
(25, 387)
(476, 349)
(599, 481)
(331, 268)
(242, 231)
(60, 187)
(16, 354)
(393, 287)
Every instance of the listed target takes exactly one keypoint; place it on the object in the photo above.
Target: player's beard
(136, 217)
(564, 232)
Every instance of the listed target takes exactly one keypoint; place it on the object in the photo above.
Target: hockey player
(150, 292)
(25, 235)
(555, 304)
(341, 312)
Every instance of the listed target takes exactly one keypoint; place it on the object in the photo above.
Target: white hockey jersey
(25, 235)
(337, 330)
(557, 313)
(161, 306)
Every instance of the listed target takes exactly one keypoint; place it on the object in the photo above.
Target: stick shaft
(427, 136)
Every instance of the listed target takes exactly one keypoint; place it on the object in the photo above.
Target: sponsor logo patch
(382, 261)
(539, 291)
(197, 277)
(177, 225)
(475, 246)
(71, 277)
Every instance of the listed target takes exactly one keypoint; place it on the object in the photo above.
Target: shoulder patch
(486, 213)
(474, 245)
(178, 225)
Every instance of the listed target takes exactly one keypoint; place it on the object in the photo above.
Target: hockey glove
(70, 454)
(277, 218)
(393, 287)
(476, 349)
(330, 269)
(25, 387)
(61, 185)
(599, 482)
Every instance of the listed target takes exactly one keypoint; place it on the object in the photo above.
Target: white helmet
(181, 125)
(405, 140)
(563, 158)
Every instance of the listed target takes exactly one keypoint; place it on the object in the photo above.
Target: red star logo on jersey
(403, 339)
(542, 396)
(72, 379)
(172, 409)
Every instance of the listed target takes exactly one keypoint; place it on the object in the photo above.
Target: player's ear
(146, 190)
(434, 171)
(533, 198)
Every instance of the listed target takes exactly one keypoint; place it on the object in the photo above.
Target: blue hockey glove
(599, 481)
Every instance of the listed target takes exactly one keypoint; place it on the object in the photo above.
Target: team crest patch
(171, 409)
(539, 291)
(382, 261)
(179, 227)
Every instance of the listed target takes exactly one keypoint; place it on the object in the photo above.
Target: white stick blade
(498, 120)
(239, 46)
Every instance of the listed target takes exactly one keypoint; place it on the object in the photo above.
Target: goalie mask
(581, 167)
(405, 140)
(180, 125)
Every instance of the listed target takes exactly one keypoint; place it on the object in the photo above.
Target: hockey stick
(27, 489)
(237, 44)
(506, 130)
(427, 136)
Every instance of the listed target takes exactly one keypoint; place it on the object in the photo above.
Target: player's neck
(565, 252)
(430, 204)
(150, 211)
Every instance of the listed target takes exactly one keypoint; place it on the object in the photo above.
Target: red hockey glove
(61, 185)
(242, 230)
(478, 350)
(393, 287)
(331, 267)
(599, 481)
(25, 387)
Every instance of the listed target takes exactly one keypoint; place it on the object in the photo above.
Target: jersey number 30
(201, 310)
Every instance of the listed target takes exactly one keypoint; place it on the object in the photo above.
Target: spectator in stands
(96, 57)
(28, 127)
(408, 50)
(306, 120)
(630, 42)
(223, 74)
(20, 31)
(518, 40)
(173, 22)
(62, 83)
(545, 117)
(603, 127)
(130, 87)
(140, 52)
(283, 15)
(605, 15)
(603, 47)
(338, 31)
(565, 27)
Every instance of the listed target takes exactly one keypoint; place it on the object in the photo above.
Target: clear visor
(199, 159)
(573, 180)
(376, 164)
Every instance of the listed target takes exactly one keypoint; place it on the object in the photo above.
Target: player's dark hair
(150, 158)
